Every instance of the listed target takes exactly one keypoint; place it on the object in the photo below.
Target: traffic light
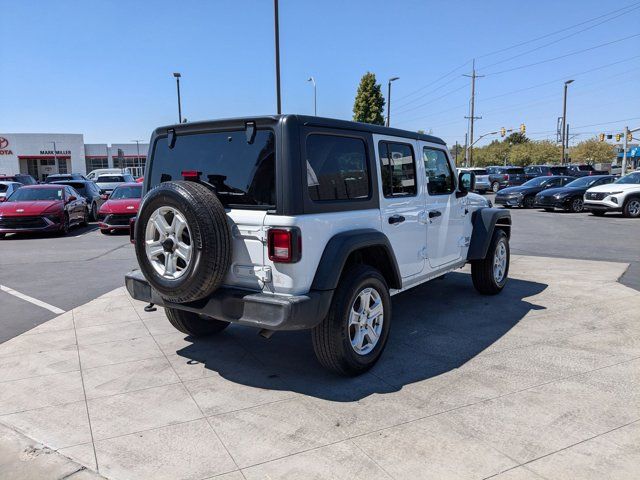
(503, 132)
(629, 137)
(601, 137)
(618, 137)
(523, 128)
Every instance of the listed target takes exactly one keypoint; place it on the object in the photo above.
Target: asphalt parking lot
(66, 272)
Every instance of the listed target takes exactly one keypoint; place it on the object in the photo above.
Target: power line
(431, 101)
(435, 81)
(565, 55)
(556, 32)
(608, 123)
(561, 38)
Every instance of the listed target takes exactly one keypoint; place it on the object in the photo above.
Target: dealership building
(42, 154)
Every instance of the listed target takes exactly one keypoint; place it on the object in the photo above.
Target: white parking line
(29, 299)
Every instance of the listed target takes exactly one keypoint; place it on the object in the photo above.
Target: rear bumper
(254, 309)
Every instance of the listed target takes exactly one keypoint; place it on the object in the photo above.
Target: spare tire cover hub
(168, 243)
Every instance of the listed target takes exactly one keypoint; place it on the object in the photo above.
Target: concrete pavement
(541, 381)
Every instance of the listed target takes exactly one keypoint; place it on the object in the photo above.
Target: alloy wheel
(168, 243)
(577, 205)
(366, 318)
(634, 208)
(500, 262)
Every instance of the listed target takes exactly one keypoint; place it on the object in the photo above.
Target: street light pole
(315, 98)
(177, 75)
(277, 35)
(392, 79)
(565, 140)
(138, 152)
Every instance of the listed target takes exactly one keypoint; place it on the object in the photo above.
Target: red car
(121, 207)
(42, 208)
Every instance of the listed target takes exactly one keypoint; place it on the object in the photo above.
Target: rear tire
(495, 186)
(193, 324)
(339, 340)
(487, 278)
(631, 208)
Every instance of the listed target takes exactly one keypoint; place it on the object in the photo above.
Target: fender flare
(484, 222)
(341, 245)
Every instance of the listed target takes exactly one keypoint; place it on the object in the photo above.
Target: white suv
(623, 195)
(292, 222)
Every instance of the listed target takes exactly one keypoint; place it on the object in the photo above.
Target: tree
(369, 103)
(593, 151)
(534, 153)
(516, 138)
(493, 154)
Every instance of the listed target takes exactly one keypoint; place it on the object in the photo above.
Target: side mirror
(104, 196)
(466, 183)
(72, 198)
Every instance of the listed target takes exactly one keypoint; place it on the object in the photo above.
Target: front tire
(65, 227)
(350, 340)
(495, 186)
(193, 324)
(528, 202)
(631, 208)
(490, 274)
(576, 205)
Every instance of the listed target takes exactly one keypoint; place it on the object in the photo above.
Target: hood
(35, 207)
(123, 205)
(615, 187)
(476, 200)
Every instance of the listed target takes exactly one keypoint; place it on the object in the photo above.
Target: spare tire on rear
(183, 241)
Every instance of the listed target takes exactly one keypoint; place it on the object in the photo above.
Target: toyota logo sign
(4, 143)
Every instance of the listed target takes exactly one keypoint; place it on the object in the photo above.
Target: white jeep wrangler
(293, 222)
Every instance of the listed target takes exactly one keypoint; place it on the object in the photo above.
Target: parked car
(90, 192)
(108, 182)
(503, 177)
(533, 171)
(570, 197)
(623, 195)
(121, 207)
(482, 178)
(7, 188)
(218, 243)
(140, 180)
(57, 177)
(22, 178)
(524, 195)
(583, 170)
(94, 174)
(42, 208)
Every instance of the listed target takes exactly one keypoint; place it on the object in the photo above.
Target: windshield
(110, 179)
(126, 192)
(33, 194)
(631, 178)
(241, 173)
(536, 182)
(583, 182)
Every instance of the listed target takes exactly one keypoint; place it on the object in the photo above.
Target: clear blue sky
(103, 68)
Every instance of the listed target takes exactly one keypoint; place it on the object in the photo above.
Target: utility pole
(565, 136)
(625, 145)
(455, 159)
(277, 35)
(466, 162)
(472, 116)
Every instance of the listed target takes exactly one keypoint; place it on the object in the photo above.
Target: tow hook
(150, 308)
(265, 333)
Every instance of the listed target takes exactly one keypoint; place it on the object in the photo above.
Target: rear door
(401, 202)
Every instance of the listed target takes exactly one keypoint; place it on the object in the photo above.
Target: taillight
(506, 176)
(284, 245)
(549, 174)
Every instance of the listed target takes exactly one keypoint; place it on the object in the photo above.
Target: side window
(398, 167)
(438, 171)
(336, 168)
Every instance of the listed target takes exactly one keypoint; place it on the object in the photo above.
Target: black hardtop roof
(305, 120)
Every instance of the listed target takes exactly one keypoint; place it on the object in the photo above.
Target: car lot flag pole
(277, 34)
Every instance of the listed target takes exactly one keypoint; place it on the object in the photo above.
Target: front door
(445, 212)
(401, 204)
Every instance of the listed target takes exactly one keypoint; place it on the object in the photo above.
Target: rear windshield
(515, 170)
(479, 171)
(110, 179)
(242, 174)
(56, 178)
(3, 188)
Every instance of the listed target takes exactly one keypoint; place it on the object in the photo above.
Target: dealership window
(62, 166)
(32, 167)
(398, 167)
(96, 163)
(336, 168)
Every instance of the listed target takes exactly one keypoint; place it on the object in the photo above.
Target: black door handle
(396, 219)
(434, 214)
